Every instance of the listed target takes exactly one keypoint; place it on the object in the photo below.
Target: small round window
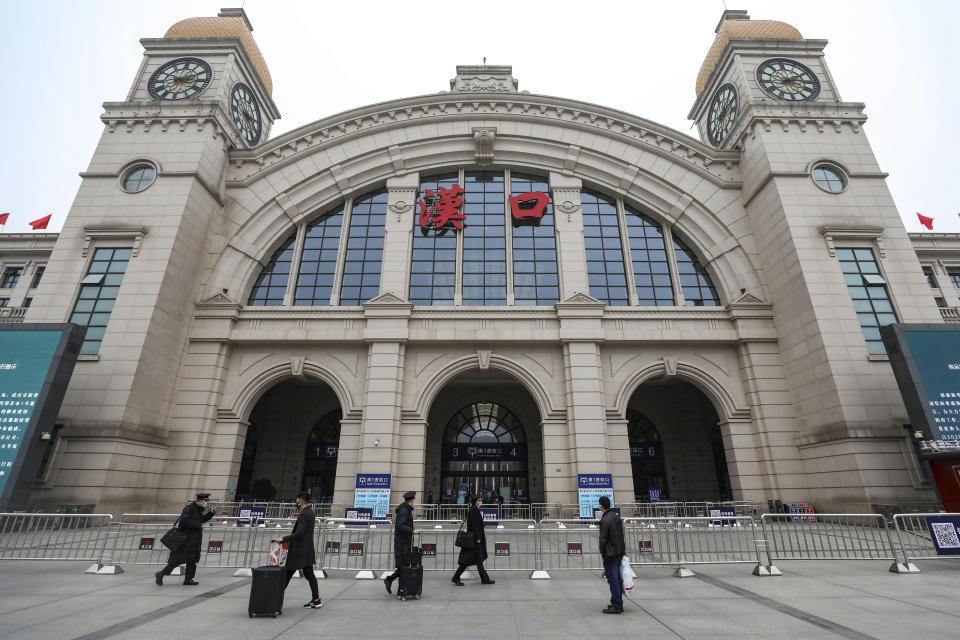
(829, 178)
(138, 177)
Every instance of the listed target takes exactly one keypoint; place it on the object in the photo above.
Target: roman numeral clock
(788, 80)
(246, 113)
(723, 112)
(180, 79)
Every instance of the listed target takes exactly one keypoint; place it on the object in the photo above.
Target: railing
(827, 536)
(48, 536)
(912, 535)
(950, 314)
(687, 541)
(12, 314)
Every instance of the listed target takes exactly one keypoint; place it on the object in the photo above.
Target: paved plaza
(855, 599)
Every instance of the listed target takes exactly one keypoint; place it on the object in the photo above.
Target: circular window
(829, 178)
(138, 177)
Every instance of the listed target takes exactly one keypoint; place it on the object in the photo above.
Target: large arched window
(601, 235)
(648, 253)
(433, 273)
(364, 259)
(318, 263)
(484, 423)
(698, 289)
(271, 285)
(535, 277)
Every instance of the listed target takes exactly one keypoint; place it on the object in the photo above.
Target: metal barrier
(53, 536)
(687, 541)
(569, 544)
(826, 536)
(912, 535)
(365, 546)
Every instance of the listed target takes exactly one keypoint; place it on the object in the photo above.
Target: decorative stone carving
(484, 79)
(386, 299)
(483, 358)
(483, 138)
(581, 298)
(749, 298)
(95, 232)
(296, 365)
(670, 366)
(218, 298)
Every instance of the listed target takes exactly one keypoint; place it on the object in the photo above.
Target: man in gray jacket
(612, 549)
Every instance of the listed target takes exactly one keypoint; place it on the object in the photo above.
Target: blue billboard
(36, 361)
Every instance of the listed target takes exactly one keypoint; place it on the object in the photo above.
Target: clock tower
(835, 258)
(148, 210)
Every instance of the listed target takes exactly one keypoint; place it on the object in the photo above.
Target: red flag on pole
(44, 221)
(3, 218)
(925, 221)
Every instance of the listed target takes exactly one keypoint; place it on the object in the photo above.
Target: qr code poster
(945, 533)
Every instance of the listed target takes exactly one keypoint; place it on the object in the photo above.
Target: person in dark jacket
(479, 552)
(301, 554)
(191, 521)
(403, 532)
(613, 547)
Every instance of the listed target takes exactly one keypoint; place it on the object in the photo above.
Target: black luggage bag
(411, 575)
(266, 591)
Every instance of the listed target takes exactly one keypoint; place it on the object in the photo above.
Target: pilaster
(568, 220)
(398, 234)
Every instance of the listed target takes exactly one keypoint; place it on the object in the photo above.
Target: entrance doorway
(676, 447)
(484, 436)
(292, 443)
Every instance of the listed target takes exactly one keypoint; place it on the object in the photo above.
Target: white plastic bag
(626, 574)
(278, 554)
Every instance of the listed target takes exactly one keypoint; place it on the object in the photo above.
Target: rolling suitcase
(266, 591)
(411, 575)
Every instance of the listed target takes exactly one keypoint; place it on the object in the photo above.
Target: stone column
(571, 255)
(398, 234)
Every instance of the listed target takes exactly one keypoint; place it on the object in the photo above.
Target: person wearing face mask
(301, 554)
(478, 553)
(191, 521)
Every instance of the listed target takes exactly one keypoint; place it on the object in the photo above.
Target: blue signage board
(945, 533)
(322, 451)
(648, 450)
(723, 516)
(373, 490)
(485, 452)
(490, 516)
(252, 516)
(358, 513)
(590, 486)
(653, 493)
(36, 361)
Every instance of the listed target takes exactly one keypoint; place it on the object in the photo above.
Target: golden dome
(758, 29)
(224, 27)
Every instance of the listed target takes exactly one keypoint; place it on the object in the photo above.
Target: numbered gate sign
(355, 549)
(333, 547)
(215, 546)
(429, 549)
(574, 549)
(146, 544)
(501, 549)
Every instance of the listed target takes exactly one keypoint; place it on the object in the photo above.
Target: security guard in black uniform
(402, 535)
(191, 521)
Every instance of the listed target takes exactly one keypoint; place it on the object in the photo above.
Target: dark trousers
(310, 577)
(612, 571)
(484, 577)
(191, 570)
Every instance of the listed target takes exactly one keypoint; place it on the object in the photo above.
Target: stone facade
(804, 412)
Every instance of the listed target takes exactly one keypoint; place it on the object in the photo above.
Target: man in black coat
(301, 554)
(402, 535)
(191, 521)
(613, 547)
(479, 552)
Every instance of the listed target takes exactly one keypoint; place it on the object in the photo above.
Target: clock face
(180, 79)
(723, 111)
(788, 80)
(246, 113)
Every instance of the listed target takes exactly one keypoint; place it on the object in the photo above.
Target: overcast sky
(63, 59)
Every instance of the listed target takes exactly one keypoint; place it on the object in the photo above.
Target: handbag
(465, 539)
(278, 555)
(175, 538)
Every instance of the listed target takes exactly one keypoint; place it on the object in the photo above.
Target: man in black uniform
(191, 521)
(402, 535)
(301, 554)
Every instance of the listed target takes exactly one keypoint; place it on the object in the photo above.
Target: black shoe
(490, 581)
(158, 578)
(190, 582)
(611, 609)
(388, 582)
(313, 604)
(456, 581)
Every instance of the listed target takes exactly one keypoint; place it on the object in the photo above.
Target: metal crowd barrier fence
(569, 544)
(912, 532)
(47, 536)
(825, 536)
(686, 541)
(364, 546)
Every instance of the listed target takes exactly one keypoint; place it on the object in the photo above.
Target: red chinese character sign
(439, 209)
(528, 205)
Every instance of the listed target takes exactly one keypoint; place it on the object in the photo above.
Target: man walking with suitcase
(613, 547)
(403, 532)
(301, 554)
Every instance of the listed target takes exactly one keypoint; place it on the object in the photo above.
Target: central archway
(484, 436)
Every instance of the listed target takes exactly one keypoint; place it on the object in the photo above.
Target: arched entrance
(292, 443)
(484, 435)
(675, 443)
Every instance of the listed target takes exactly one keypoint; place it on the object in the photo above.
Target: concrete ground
(853, 599)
